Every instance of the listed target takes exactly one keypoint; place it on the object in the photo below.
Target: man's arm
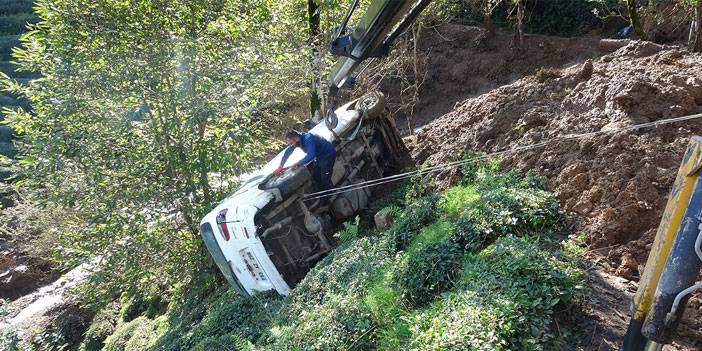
(286, 154)
(310, 152)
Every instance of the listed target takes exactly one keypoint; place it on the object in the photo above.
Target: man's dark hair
(291, 133)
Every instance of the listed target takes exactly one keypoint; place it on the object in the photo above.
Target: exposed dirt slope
(614, 186)
(461, 63)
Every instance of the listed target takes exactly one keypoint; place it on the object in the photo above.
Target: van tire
(373, 102)
(288, 182)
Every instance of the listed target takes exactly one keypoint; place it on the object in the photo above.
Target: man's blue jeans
(322, 172)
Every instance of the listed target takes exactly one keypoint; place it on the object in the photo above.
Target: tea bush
(507, 299)
(417, 214)
(430, 265)
(102, 326)
(124, 332)
(468, 269)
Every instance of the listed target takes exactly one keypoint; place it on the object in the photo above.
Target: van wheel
(373, 103)
(288, 182)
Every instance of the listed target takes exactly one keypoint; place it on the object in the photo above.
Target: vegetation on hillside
(14, 17)
(474, 268)
(138, 115)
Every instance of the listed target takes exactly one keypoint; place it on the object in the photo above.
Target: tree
(486, 7)
(313, 18)
(519, 10)
(634, 19)
(694, 42)
(142, 106)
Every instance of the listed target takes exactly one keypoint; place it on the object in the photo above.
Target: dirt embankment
(462, 63)
(614, 187)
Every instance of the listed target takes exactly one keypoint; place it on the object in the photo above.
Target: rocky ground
(614, 187)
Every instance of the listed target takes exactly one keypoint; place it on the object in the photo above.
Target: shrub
(231, 342)
(473, 164)
(456, 199)
(388, 313)
(102, 326)
(428, 271)
(342, 322)
(507, 298)
(150, 305)
(553, 17)
(545, 74)
(119, 339)
(350, 231)
(419, 185)
(417, 214)
(143, 336)
(247, 316)
(347, 270)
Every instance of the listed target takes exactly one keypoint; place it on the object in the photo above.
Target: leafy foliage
(501, 292)
(507, 299)
(122, 337)
(553, 17)
(417, 214)
(140, 107)
(429, 269)
(102, 326)
(349, 232)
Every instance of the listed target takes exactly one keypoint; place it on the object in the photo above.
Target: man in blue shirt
(316, 148)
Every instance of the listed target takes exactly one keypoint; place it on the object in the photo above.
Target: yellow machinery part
(670, 222)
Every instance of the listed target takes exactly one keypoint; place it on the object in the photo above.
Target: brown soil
(613, 186)
(462, 63)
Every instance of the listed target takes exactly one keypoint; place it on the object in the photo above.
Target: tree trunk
(520, 23)
(313, 20)
(634, 19)
(487, 19)
(694, 42)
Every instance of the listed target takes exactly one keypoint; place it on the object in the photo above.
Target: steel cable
(449, 165)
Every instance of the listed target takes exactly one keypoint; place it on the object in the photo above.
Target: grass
(473, 268)
(546, 74)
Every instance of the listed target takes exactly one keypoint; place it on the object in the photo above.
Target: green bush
(419, 185)
(428, 271)
(124, 332)
(350, 231)
(457, 199)
(189, 304)
(553, 17)
(507, 298)
(143, 336)
(342, 322)
(347, 270)
(388, 313)
(231, 342)
(497, 204)
(247, 316)
(474, 164)
(102, 326)
(417, 214)
(137, 305)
